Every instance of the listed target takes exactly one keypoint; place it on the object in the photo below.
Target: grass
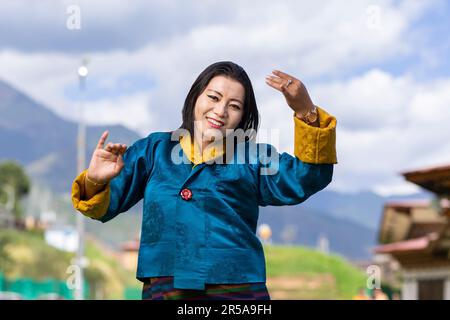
(293, 272)
(25, 254)
(316, 275)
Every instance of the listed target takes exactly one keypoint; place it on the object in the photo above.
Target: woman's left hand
(294, 91)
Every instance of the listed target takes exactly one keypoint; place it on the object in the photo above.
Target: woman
(201, 196)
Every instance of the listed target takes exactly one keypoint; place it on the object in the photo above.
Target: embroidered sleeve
(94, 207)
(316, 144)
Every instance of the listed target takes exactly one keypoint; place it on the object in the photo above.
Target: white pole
(81, 146)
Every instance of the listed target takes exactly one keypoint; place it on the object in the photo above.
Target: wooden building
(417, 235)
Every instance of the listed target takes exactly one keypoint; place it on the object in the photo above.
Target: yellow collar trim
(192, 150)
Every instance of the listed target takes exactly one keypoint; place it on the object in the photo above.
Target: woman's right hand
(106, 163)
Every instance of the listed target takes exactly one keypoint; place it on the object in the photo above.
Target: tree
(14, 185)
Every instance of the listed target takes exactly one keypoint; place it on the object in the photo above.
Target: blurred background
(378, 231)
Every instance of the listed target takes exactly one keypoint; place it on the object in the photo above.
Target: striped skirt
(161, 288)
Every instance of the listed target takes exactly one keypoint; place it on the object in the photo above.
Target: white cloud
(387, 125)
(131, 111)
(383, 126)
(374, 100)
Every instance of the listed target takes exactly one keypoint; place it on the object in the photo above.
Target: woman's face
(218, 108)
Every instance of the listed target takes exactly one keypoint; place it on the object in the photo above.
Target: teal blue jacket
(206, 234)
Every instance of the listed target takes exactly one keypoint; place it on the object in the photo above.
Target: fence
(30, 289)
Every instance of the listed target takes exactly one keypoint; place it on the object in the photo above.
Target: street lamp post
(81, 147)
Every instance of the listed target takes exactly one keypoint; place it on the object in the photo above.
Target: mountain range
(43, 142)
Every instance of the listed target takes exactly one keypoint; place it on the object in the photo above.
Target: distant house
(129, 254)
(62, 237)
(417, 235)
(8, 220)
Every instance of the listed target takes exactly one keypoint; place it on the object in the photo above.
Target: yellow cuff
(316, 144)
(97, 206)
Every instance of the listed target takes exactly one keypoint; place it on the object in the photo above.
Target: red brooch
(186, 194)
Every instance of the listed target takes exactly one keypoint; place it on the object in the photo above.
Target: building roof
(435, 179)
(408, 204)
(403, 220)
(417, 244)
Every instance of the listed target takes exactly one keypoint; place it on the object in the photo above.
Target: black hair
(250, 118)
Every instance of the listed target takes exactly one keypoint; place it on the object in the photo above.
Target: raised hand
(294, 91)
(106, 163)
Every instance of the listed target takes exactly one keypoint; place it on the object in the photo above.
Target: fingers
(120, 164)
(102, 140)
(285, 83)
(277, 80)
(116, 148)
(123, 148)
(284, 76)
(109, 147)
(276, 83)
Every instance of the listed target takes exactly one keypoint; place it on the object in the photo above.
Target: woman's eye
(214, 98)
(235, 106)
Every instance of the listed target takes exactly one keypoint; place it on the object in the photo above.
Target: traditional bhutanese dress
(198, 235)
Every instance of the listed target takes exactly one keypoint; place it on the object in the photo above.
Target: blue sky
(381, 67)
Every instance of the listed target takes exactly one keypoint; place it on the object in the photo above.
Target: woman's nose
(220, 110)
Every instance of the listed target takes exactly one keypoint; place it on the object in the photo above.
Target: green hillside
(27, 255)
(292, 272)
(302, 273)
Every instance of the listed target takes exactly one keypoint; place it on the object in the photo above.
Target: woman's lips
(215, 123)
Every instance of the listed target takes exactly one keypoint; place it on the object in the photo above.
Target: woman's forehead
(226, 86)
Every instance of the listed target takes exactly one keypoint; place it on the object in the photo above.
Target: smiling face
(218, 108)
